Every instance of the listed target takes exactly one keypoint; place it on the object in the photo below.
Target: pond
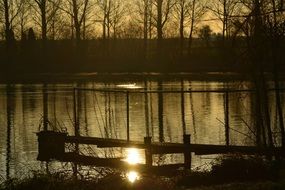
(163, 116)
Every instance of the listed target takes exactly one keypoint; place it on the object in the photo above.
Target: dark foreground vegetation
(234, 172)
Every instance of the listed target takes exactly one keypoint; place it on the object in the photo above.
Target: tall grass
(236, 169)
(233, 173)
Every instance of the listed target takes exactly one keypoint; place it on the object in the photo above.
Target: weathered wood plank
(170, 148)
(104, 142)
(117, 163)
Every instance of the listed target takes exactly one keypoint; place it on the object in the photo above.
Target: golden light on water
(132, 176)
(133, 156)
(129, 86)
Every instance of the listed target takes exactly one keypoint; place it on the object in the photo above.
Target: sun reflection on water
(133, 156)
(132, 176)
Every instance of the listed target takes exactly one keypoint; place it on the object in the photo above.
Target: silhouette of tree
(79, 13)
(46, 11)
(188, 13)
(224, 11)
(42, 6)
(163, 8)
(31, 35)
(205, 34)
(23, 16)
(197, 11)
(182, 11)
(146, 8)
(104, 5)
(119, 11)
(11, 9)
(144, 17)
(113, 13)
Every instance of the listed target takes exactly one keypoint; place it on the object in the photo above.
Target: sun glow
(132, 176)
(133, 156)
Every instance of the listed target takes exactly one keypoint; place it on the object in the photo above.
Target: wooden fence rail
(52, 146)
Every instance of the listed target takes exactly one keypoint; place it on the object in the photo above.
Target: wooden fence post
(148, 153)
(187, 152)
(226, 112)
(45, 107)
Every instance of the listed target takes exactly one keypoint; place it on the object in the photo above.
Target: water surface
(163, 116)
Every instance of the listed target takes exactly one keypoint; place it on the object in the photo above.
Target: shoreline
(62, 77)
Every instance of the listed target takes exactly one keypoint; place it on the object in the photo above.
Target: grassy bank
(230, 173)
(116, 182)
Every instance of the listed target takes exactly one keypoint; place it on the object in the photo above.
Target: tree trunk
(275, 52)
(104, 27)
(145, 27)
(260, 82)
(84, 28)
(181, 29)
(150, 22)
(108, 20)
(159, 20)
(72, 27)
(43, 19)
(267, 114)
(7, 22)
(160, 112)
(183, 119)
(159, 27)
(191, 27)
(279, 107)
(76, 22)
(224, 20)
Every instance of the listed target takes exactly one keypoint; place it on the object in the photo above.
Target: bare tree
(10, 9)
(142, 9)
(197, 11)
(77, 10)
(8, 21)
(163, 8)
(275, 32)
(23, 17)
(144, 15)
(224, 11)
(54, 19)
(132, 30)
(42, 6)
(112, 14)
(46, 12)
(189, 14)
(105, 6)
(146, 6)
(118, 12)
(78, 13)
(150, 20)
(182, 10)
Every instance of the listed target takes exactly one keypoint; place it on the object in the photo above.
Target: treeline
(142, 35)
(145, 19)
(121, 55)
